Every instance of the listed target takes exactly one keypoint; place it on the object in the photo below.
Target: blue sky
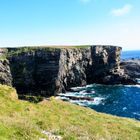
(70, 22)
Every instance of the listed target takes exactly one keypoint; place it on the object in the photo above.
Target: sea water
(117, 100)
(130, 54)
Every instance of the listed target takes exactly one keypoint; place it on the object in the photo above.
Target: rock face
(48, 71)
(5, 73)
(106, 66)
(74, 65)
(131, 67)
(35, 72)
(96, 64)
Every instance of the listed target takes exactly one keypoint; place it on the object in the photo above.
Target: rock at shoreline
(131, 67)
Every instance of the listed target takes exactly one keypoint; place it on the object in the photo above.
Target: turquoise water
(117, 100)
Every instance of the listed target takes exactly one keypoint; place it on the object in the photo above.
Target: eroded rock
(48, 71)
(131, 67)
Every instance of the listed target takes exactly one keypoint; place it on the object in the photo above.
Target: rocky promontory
(47, 71)
(131, 67)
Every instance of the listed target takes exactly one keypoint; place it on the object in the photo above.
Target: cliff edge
(48, 71)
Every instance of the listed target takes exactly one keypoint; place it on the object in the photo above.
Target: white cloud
(122, 11)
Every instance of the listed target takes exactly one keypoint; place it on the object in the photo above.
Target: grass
(19, 50)
(24, 120)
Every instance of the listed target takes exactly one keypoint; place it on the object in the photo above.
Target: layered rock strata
(131, 67)
(48, 71)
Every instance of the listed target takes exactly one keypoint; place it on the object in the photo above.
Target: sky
(70, 22)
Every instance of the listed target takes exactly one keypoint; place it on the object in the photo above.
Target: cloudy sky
(70, 22)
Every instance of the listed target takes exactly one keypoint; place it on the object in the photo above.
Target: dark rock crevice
(35, 73)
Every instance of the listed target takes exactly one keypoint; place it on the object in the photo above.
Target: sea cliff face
(5, 72)
(131, 67)
(48, 71)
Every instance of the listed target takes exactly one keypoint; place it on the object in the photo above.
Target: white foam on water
(62, 98)
(92, 92)
(135, 113)
(78, 88)
(124, 108)
(83, 92)
(138, 80)
(69, 94)
(138, 86)
(118, 85)
(88, 86)
(96, 101)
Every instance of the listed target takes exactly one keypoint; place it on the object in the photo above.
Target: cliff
(48, 71)
(131, 67)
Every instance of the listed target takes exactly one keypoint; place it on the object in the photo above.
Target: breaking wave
(120, 100)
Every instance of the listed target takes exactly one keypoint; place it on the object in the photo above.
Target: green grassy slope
(21, 120)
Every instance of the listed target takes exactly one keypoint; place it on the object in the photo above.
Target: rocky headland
(47, 71)
(131, 67)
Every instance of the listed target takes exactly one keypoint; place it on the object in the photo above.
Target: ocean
(130, 54)
(119, 100)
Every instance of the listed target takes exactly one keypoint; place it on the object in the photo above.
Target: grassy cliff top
(26, 49)
(55, 46)
(7, 52)
(24, 120)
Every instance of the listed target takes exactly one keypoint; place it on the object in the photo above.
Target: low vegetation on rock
(26, 121)
(29, 49)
